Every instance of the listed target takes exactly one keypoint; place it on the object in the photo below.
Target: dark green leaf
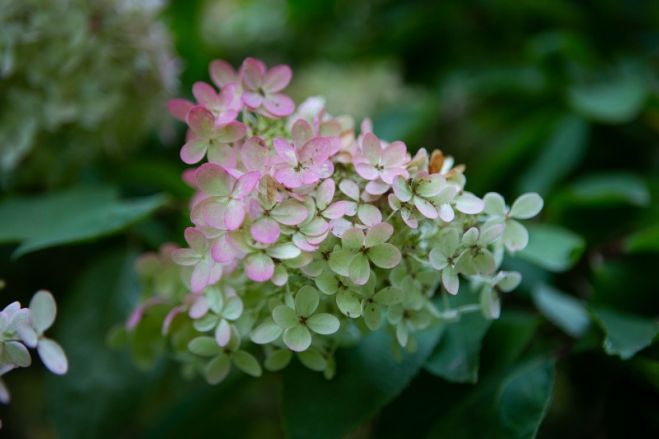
(368, 377)
(553, 248)
(512, 404)
(608, 190)
(563, 310)
(644, 240)
(456, 356)
(558, 157)
(615, 101)
(71, 216)
(626, 334)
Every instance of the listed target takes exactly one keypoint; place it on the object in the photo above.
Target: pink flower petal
(169, 318)
(201, 122)
(234, 214)
(394, 155)
(223, 251)
(265, 230)
(199, 307)
(252, 99)
(179, 108)
(196, 240)
(279, 104)
(222, 73)
(301, 242)
(389, 174)
(336, 210)
(200, 276)
(285, 151)
(350, 188)
(369, 215)
(325, 193)
(301, 132)
(204, 94)
(289, 178)
(277, 78)
(231, 132)
(213, 180)
(246, 184)
(193, 151)
(371, 148)
(259, 267)
(252, 73)
(377, 187)
(367, 171)
(255, 154)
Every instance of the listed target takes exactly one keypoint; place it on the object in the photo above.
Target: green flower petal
(360, 269)
(204, 346)
(384, 255)
(352, 239)
(306, 301)
(378, 234)
(278, 359)
(327, 282)
(349, 304)
(526, 206)
(323, 323)
(313, 359)
(217, 369)
(266, 332)
(340, 260)
(285, 316)
(437, 259)
(389, 296)
(247, 363)
(297, 338)
(372, 315)
(515, 237)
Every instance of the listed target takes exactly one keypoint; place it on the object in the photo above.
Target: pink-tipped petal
(259, 267)
(201, 122)
(377, 187)
(222, 73)
(231, 132)
(301, 132)
(277, 78)
(371, 148)
(367, 171)
(246, 184)
(252, 73)
(279, 104)
(234, 214)
(289, 178)
(394, 155)
(204, 94)
(252, 100)
(255, 154)
(193, 151)
(265, 230)
(213, 180)
(285, 151)
(200, 275)
(179, 108)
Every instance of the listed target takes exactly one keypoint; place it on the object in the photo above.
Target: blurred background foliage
(557, 97)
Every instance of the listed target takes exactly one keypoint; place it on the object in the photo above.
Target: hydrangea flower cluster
(23, 328)
(306, 234)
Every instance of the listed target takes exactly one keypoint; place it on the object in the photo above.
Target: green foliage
(625, 334)
(70, 216)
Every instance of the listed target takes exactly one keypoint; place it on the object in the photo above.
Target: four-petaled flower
(515, 235)
(206, 270)
(262, 87)
(206, 134)
(296, 321)
(351, 259)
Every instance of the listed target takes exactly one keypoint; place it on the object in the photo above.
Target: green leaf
(617, 100)
(644, 240)
(367, 378)
(563, 310)
(70, 216)
(626, 334)
(552, 248)
(608, 190)
(559, 156)
(456, 356)
(524, 398)
(512, 404)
